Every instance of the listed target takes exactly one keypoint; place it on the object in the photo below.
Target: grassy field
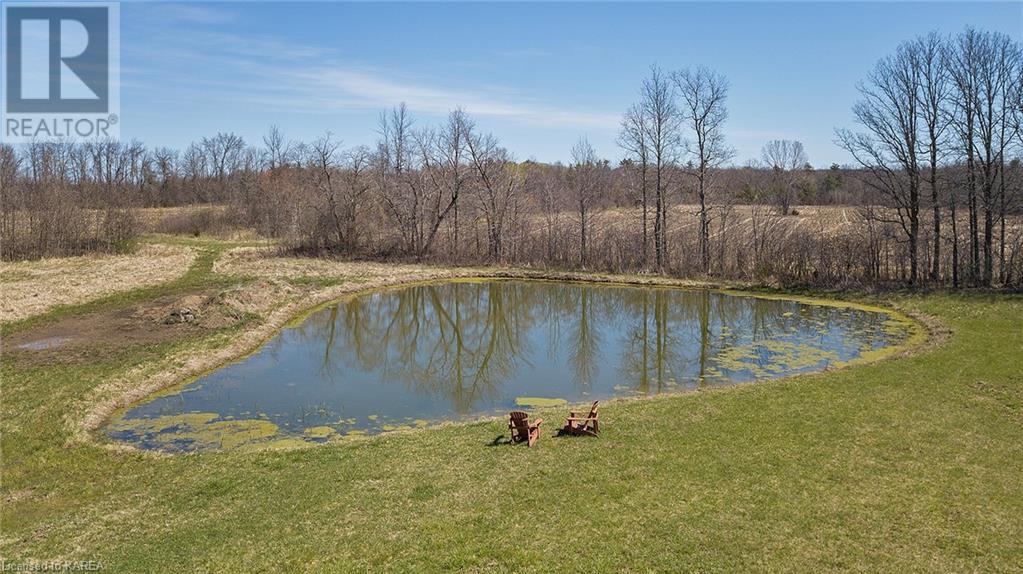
(911, 464)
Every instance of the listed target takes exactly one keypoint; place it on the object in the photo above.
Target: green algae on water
(539, 402)
(319, 432)
(195, 431)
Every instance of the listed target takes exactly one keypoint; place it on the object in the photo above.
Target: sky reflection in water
(417, 355)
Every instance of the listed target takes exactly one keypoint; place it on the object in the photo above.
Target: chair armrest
(536, 423)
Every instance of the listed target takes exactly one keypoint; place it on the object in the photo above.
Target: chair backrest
(593, 410)
(519, 423)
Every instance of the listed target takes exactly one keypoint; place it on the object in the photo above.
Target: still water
(419, 355)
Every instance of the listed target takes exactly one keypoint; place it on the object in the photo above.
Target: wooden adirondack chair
(521, 430)
(587, 426)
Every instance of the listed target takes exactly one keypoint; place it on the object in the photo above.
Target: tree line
(953, 102)
(939, 133)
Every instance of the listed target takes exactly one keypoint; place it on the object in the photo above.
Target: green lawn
(912, 464)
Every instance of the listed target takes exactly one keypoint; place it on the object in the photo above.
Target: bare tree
(279, 150)
(662, 125)
(983, 68)
(448, 171)
(940, 116)
(10, 167)
(888, 150)
(703, 93)
(496, 187)
(399, 180)
(963, 61)
(997, 90)
(543, 183)
(586, 178)
(1010, 136)
(633, 139)
(324, 163)
(934, 92)
(785, 158)
(223, 158)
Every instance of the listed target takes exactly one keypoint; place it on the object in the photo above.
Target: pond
(418, 355)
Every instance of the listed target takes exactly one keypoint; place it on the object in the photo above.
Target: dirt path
(89, 337)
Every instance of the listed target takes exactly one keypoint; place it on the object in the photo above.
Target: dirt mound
(258, 297)
(203, 310)
(167, 318)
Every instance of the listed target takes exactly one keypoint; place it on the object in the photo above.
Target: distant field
(151, 217)
(209, 220)
(828, 219)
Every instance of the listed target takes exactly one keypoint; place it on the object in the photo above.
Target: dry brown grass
(220, 221)
(261, 262)
(832, 219)
(33, 287)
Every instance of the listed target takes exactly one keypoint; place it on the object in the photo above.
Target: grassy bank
(912, 464)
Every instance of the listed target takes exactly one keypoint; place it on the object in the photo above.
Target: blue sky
(538, 75)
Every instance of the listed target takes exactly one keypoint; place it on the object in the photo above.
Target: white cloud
(189, 13)
(374, 89)
(291, 77)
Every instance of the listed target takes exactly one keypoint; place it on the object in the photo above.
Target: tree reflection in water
(462, 340)
(448, 350)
